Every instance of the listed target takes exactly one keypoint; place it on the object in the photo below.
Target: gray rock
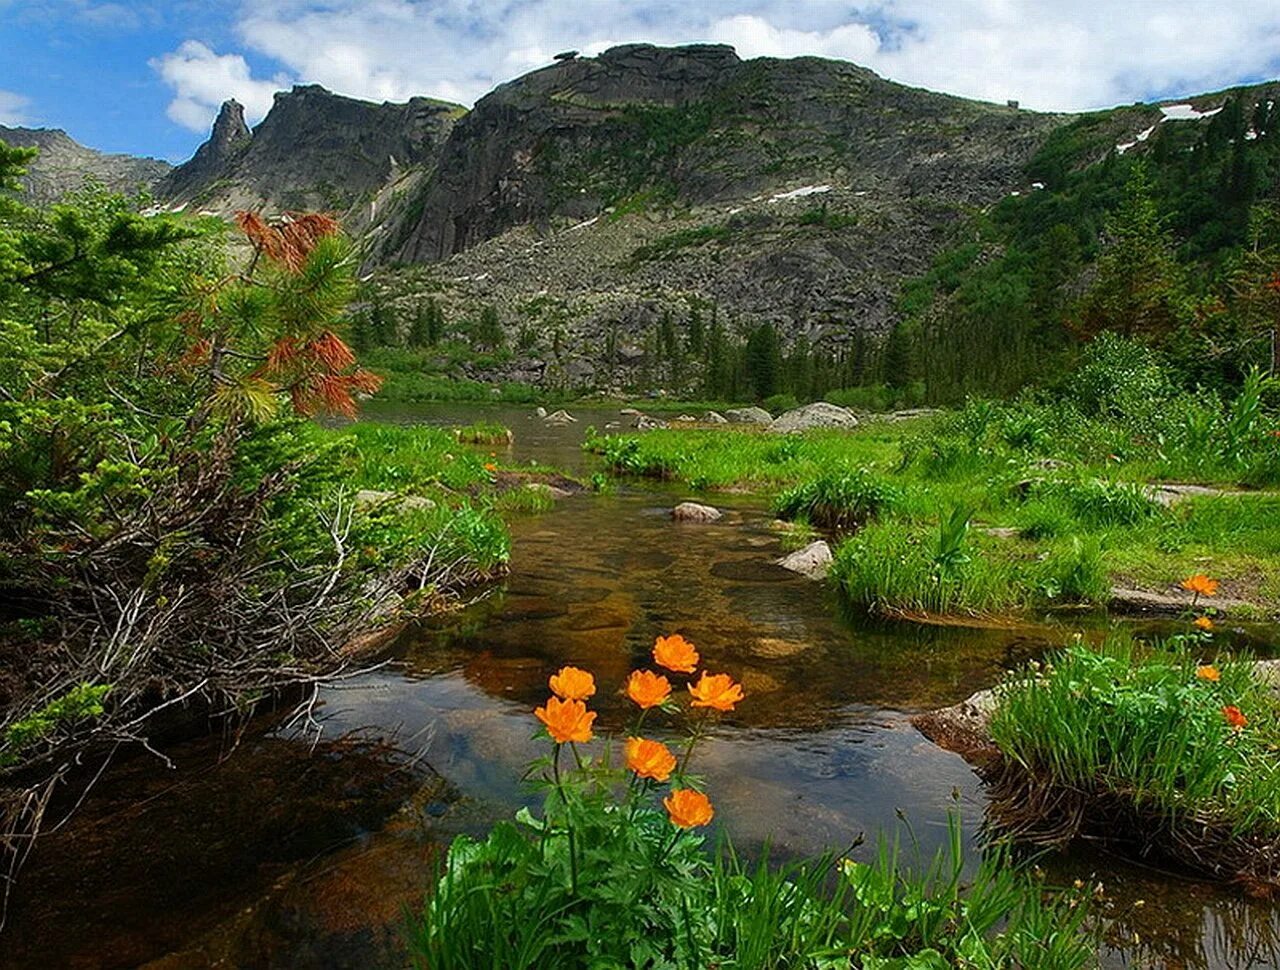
(629, 412)
(813, 561)
(687, 419)
(751, 415)
(714, 417)
(646, 423)
(694, 512)
(560, 418)
(820, 414)
(539, 412)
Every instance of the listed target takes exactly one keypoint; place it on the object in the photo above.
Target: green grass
(839, 500)
(1128, 737)
(506, 903)
(482, 433)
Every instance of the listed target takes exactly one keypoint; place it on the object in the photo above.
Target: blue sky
(146, 77)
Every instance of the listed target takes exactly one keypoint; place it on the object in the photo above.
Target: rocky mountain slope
(64, 165)
(314, 150)
(587, 199)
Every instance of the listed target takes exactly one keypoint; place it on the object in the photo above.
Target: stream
(307, 845)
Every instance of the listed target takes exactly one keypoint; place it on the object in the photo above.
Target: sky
(146, 77)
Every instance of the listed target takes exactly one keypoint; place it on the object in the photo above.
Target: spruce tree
(763, 360)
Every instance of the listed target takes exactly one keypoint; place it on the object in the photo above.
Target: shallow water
(282, 857)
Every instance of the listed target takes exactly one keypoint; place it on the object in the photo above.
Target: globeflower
(687, 808)
(1201, 585)
(566, 720)
(572, 684)
(1209, 672)
(1203, 622)
(716, 691)
(650, 759)
(490, 466)
(1234, 717)
(648, 689)
(675, 653)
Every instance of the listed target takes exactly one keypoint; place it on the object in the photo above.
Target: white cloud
(13, 108)
(202, 80)
(1048, 54)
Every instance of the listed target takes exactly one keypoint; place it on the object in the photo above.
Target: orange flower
(688, 808)
(572, 684)
(1209, 672)
(566, 720)
(490, 466)
(1234, 717)
(1203, 622)
(717, 691)
(1201, 585)
(647, 688)
(650, 759)
(675, 653)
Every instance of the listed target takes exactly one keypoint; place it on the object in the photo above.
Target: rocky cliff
(64, 165)
(314, 150)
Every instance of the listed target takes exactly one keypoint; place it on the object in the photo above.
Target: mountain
(600, 205)
(586, 200)
(64, 165)
(313, 150)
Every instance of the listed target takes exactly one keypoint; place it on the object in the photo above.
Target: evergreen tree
(361, 332)
(420, 329)
(1138, 290)
(901, 355)
(718, 379)
(695, 336)
(763, 360)
(382, 327)
(488, 333)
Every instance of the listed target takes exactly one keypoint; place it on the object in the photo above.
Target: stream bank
(295, 858)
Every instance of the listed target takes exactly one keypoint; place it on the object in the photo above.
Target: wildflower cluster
(566, 720)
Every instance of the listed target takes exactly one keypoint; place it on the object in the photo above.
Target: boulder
(539, 412)
(752, 415)
(560, 418)
(630, 412)
(714, 417)
(693, 512)
(812, 561)
(646, 423)
(687, 419)
(820, 414)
